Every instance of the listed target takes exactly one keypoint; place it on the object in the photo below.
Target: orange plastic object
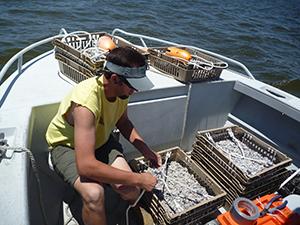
(177, 52)
(284, 217)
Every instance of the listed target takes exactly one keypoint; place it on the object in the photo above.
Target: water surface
(263, 35)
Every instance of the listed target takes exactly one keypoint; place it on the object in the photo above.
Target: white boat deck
(41, 84)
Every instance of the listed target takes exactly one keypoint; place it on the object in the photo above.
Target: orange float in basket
(271, 209)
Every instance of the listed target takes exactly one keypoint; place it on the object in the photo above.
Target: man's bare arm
(88, 166)
(131, 134)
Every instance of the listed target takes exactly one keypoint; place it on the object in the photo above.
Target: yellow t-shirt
(90, 94)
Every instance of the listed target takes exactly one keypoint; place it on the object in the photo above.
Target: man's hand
(154, 158)
(148, 181)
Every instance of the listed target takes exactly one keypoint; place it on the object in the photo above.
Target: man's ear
(114, 78)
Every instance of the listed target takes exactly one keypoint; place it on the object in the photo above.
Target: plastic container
(193, 214)
(253, 142)
(73, 70)
(75, 63)
(72, 47)
(182, 70)
(235, 189)
(229, 176)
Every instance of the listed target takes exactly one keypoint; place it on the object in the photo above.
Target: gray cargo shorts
(63, 158)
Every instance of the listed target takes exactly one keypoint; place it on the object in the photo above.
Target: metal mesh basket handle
(82, 45)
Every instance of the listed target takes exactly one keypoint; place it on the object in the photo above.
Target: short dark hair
(126, 57)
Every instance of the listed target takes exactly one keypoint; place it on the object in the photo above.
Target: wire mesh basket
(229, 182)
(73, 46)
(229, 176)
(199, 211)
(73, 70)
(279, 159)
(202, 67)
(77, 51)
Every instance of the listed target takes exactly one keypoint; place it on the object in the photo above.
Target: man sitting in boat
(83, 151)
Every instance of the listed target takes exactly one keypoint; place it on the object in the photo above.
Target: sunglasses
(125, 81)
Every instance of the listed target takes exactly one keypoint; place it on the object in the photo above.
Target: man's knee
(93, 198)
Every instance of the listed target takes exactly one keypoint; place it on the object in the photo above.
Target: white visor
(136, 76)
(141, 84)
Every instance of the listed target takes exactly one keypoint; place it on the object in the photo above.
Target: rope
(168, 190)
(183, 184)
(229, 131)
(133, 205)
(94, 53)
(230, 154)
(35, 172)
(289, 178)
(164, 177)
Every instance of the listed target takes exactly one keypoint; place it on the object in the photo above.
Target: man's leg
(112, 154)
(93, 211)
(128, 193)
(92, 194)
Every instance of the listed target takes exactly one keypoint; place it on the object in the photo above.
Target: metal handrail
(142, 37)
(19, 56)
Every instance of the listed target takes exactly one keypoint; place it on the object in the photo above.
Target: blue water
(264, 35)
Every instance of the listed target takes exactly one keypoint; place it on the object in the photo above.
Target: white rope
(133, 205)
(69, 214)
(165, 167)
(178, 206)
(231, 134)
(164, 178)
(94, 53)
(209, 65)
(230, 154)
(203, 63)
(183, 184)
(289, 178)
(199, 60)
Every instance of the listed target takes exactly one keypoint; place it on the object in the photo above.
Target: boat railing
(19, 56)
(142, 38)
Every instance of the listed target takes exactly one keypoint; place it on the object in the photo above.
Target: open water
(263, 35)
